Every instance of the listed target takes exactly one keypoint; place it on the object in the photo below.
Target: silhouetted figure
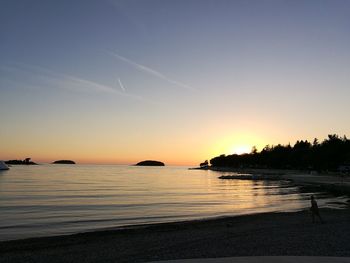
(314, 210)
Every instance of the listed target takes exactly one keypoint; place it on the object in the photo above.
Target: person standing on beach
(314, 210)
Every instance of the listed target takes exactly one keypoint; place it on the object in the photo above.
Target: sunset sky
(106, 81)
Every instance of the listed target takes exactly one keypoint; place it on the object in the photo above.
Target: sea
(47, 199)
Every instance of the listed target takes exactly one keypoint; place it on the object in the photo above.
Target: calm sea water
(48, 200)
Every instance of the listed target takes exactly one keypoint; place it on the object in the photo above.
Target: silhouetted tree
(327, 155)
(254, 150)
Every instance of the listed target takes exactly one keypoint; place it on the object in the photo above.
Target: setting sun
(240, 142)
(241, 149)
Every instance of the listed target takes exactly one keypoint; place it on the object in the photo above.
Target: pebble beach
(267, 234)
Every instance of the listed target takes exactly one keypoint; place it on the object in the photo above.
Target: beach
(267, 234)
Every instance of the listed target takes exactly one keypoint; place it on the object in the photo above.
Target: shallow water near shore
(47, 200)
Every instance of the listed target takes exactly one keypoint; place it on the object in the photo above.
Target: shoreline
(142, 226)
(332, 182)
(269, 171)
(266, 234)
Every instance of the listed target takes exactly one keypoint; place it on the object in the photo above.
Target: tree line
(330, 154)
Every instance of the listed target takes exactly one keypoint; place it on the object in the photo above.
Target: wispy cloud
(49, 78)
(121, 85)
(151, 71)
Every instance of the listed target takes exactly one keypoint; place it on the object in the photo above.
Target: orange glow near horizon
(172, 149)
(187, 153)
(186, 150)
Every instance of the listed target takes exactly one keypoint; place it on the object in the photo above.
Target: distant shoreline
(249, 235)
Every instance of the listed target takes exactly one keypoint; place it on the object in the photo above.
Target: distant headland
(150, 163)
(64, 162)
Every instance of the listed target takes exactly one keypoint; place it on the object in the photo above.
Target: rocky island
(150, 163)
(26, 161)
(63, 162)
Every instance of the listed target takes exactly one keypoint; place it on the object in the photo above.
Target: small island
(150, 163)
(63, 162)
(26, 161)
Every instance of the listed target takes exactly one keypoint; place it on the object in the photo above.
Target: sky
(108, 81)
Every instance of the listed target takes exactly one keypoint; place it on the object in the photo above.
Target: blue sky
(184, 80)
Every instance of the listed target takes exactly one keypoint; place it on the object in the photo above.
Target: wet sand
(269, 234)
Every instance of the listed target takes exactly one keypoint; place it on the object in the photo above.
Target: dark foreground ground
(256, 235)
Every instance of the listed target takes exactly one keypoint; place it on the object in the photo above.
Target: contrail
(151, 71)
(48, 77)
(121, 85)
